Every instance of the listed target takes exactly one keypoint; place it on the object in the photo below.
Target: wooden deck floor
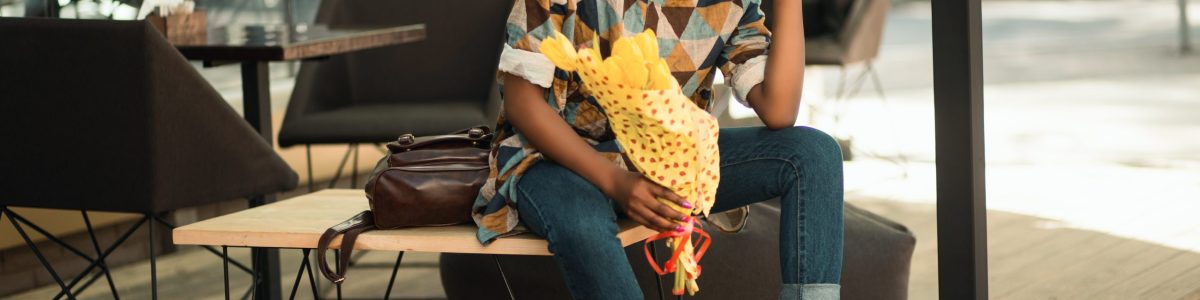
(1037, 258)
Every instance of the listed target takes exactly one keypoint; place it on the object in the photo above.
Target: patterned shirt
(694, 37)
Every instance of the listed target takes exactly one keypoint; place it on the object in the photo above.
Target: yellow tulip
(659, 75)
(648, 44)
(560, 51)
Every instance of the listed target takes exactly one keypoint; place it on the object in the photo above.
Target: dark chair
(441, 84)
(107, 116)
(740, 265)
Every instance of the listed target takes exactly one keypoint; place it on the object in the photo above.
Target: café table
(253, 47)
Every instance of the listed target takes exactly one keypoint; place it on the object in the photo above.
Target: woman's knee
(813, 145)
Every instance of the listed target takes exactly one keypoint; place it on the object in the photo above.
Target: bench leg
(225, 268)
(657, 278)
(496, 258)
(337, 258)
(395, 269)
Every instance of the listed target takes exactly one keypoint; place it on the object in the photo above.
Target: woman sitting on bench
(557, 170)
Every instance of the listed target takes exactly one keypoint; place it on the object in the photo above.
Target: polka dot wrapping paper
(664, 134)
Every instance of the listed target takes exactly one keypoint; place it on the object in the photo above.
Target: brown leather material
(357, 224)
(424, 181)
(430, 181)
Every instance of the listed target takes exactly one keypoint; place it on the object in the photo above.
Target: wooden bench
(298, 222)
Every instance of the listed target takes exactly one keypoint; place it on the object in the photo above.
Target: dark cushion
(738, 266)
(106, 115)
(377, 123)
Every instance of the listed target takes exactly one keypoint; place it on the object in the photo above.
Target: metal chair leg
(38, 253)
(354, 168)
(395, 269)
(1185, 34)
(74, 284)
(308, 160)
(96, 246)
(511, 296)
(341, 166)
(111, 248)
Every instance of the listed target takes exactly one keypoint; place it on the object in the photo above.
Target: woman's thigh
(559, 205)
(758, 164)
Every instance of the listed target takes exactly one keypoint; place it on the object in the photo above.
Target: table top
(293, 42)
(299, 222)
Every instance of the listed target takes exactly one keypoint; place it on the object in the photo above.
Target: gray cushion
(738, 266)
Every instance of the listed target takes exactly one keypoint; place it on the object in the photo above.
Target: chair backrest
(456, 61)
(106, 115)
(860, 35)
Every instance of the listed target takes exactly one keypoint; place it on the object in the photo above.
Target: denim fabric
(802, 166)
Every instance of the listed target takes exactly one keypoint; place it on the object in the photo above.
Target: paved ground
(1092, 142)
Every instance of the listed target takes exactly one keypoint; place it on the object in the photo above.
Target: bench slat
(298, 223)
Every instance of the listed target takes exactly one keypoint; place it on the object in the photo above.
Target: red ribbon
(702, 242)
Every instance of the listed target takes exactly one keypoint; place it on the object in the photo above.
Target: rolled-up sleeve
(745, 55)
(529, 22)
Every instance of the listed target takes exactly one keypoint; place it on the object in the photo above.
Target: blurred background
(1092, 136)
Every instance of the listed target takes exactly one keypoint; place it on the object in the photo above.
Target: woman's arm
(777, 99)
(525, 108)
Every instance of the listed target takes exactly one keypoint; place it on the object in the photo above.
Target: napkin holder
(189, 28)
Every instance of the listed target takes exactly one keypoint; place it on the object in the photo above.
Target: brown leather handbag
(423, 181)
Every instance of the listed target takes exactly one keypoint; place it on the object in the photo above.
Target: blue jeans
(802, 166)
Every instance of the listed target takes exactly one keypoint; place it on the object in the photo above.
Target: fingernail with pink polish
(678, 228)
(687, 205)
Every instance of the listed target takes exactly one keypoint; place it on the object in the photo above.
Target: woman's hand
(638, 198)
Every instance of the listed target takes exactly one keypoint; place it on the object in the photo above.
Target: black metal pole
(657, 278)
(225, 268)
(511, 296)
(153, 261)
(958, 118)
(256, 104)
(392, 282)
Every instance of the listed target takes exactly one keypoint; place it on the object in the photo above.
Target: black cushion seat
(377, 123)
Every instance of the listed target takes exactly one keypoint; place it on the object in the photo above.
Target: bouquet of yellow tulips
(667, 137)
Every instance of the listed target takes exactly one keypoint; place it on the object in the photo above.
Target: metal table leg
(256, 103)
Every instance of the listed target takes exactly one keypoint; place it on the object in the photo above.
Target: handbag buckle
(475, 133)
(406, 139)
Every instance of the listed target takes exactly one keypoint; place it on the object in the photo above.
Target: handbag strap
(351, 228)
